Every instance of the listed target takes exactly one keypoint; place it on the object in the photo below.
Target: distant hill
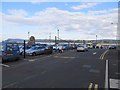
(15, 40)
(78, 41)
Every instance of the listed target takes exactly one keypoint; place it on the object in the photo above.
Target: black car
(48, 48)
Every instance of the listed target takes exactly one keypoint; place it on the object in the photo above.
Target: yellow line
(90, 86)
(96, 87)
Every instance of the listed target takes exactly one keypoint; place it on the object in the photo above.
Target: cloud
(60, 0)
(19, 12)
(50, 19)
(36, 1)
(84, 6)
(102, 12)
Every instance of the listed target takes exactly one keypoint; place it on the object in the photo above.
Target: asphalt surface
(114, 68)
(70, 69)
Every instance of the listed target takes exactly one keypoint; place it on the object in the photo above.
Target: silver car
(35, 51)
(82, 48)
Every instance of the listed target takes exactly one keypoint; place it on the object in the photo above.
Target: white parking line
(106, 75)
(5, 65)
(32, 60)
(102, 56)
(115, 83)
(11, 84)
(94, 53)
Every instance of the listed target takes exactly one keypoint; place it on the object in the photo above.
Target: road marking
(102, 56)
(65, 57)
(25, 59)
(11, 84)
(56, 56)
(106, 75)
(5, 65)
(43, 72)
(90, 86)
(32, 60)
(94, 53)
(68, 57)
(86, 66)
(94, 71)
(65, 62)
(114, 83)
(117, 73)
(93, 86)
(96, 87)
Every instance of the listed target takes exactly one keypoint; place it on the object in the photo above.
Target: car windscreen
(34, 48)
(81, 46)
(41, 47)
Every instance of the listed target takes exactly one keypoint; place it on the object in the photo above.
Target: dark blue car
(10, 50)
(112, 47)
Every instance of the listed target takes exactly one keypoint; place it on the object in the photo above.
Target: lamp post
(58, 35)
(28, 35)
(117, 35)
(50, 38)
(96, 39)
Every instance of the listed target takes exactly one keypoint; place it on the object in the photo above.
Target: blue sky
(76, 20)
(32, 8)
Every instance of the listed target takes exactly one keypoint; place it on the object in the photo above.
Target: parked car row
(36, 49)
(64, 46)
(12, 50)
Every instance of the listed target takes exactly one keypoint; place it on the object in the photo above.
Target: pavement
(114, 68)
(70, 69)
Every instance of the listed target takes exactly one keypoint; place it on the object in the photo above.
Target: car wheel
(33, 54)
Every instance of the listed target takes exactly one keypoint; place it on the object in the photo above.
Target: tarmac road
(70, 69)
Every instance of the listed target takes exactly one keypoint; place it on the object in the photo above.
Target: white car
(82, 48)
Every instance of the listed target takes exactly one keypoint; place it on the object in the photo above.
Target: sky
(75, 20)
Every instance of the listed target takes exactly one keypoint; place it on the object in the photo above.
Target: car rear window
(12, 47)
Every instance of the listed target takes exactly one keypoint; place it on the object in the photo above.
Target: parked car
(22, 48)
(55, 47)
(35, 51)
(112, 47)
(10, 51)
(82, 48)
(48, 48)
(65, 46)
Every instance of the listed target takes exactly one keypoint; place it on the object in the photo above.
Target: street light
(117, 34)
(96, 39)
(58, 35)
(28, 35)
(50, 38)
